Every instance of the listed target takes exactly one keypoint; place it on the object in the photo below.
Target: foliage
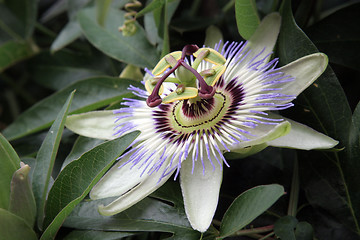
(62, 57)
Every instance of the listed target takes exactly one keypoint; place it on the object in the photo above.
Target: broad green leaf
(304, 231)
(338, 35)
(96, 235)
(153, 5)
(284, 228)
(75, 6)
(77, 178)
(326, 98)
(68, 34)
(22, 201)
(56, 9)
(249, 205)
(26, 14)
(14, 228)
(81, 145)
(324, 107)
(247, 18)
(351, 163)
(59, 77)
(9, 163)
(288, 228)
(152, 22)
(134, 50)
(90, 94)
(147, 215)
(10, 24)
(13, 52)
(45, 160)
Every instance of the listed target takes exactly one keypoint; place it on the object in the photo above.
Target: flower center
(187, 117)
(186, 75)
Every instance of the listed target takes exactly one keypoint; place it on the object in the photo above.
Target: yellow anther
(163, 64)
(212, 79)
(180, 89)
(213, 57)
(208, 72)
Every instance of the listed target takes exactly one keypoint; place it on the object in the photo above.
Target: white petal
(97, 124)
(303, 137)
(305, 70)
(200, 192)
(265, 36)
(117, 181)
(127, 184)
(263, 133)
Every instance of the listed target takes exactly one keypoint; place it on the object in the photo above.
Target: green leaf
(10, 24)
(288, 228)
(96, 235)
(247, 18)
(324, 107)
(9, 163)
(68, 34)
(90, 94)
(284, 228)
(22, 201)
(351, 163)
(153, 5)
(61, 76)
(26, 14)
(77, 178)
(249, 205)
(45, 160)
(81, 145)
(13, 52)
(147, 215)
(304, 231)
(134, 49)
(14, 228)
(338, 35)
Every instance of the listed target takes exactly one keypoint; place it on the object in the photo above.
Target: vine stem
(294, 192)
(254, 230)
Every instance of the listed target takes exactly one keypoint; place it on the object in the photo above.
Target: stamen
(205, 90)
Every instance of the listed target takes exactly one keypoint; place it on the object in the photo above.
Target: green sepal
(213, 57)
(163, 64)
(245, 152)
(219, 70)
(188, 93)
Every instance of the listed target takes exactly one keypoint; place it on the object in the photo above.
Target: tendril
(129, 27)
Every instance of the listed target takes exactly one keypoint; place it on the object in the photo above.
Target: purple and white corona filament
(201, 129)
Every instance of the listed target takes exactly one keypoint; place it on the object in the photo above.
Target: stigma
(191, 84)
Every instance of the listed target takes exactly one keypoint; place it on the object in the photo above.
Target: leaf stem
(267, 236)
(294, 193)
(254, 230)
